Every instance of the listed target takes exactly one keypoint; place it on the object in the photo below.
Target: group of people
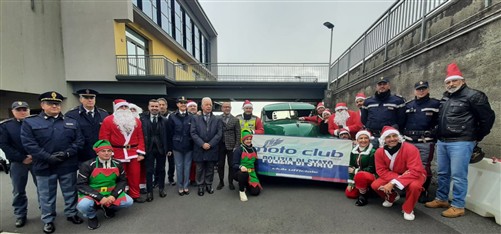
(393, 151)
(114, 154)
(101, 160)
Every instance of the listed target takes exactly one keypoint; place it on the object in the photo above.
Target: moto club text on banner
(323, 159)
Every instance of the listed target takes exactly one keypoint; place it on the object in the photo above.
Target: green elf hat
(246, 134)
(102, 144)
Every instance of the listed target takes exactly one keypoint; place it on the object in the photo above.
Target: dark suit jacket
(147, 131)
(231, 132)
(202, 132)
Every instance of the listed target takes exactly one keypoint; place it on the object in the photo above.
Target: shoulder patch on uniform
(101, 109)
(6, 120)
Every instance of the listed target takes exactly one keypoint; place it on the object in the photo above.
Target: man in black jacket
(155, 140)
(465, 118)
(20, 160)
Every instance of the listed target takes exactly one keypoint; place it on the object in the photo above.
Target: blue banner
(324, 159)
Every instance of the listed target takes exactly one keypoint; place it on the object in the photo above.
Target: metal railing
(401, 17)
(160, 66)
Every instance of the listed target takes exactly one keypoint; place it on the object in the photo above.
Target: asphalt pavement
(284, 206)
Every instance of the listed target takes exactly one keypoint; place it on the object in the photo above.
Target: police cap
(382, 79)
(87, 92)
(421, 84)
(19, 104)
(182, 99)
(51, 96)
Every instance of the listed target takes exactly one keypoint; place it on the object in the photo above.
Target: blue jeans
(19, 175)
(183, 166)
(453, 159)
(87, 208)
(47, 193)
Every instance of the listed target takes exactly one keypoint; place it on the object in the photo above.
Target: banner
(324, 159)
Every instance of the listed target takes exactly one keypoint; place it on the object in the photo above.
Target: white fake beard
(136, 114)
(452, 90)
(125, 121)
(340, 118)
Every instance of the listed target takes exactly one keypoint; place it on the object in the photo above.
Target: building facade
(132, 49)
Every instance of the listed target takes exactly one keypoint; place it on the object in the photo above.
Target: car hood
(291, 128)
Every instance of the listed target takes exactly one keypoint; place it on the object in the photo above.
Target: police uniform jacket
(464, 115)
(206, 132)
(90, 129)
(382, 110)
(10, 140)
(421, 119)
(161, 129)
(179, 137)
(42, 135)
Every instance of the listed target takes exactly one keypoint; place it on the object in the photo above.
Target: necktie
(155, 119)
(226, 118)
(206, 117)
(90, 114)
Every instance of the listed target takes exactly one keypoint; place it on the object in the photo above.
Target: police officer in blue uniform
(20, 160)
(421, 126)
(53, 140)
(383, 109)
(89, 118)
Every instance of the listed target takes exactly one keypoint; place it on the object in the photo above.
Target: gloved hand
(57, 157)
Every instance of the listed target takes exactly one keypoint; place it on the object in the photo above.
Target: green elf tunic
(248, 160)
(96, 181)
(362, 160)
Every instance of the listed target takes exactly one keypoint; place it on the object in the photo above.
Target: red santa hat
(326, 111)
(118, 103)
(341, 106)
(453, 73)
(364, 132)
(387, 130)
(320, 105)
(343, 131)
(247, 103)
(360, 96)
(191, 103)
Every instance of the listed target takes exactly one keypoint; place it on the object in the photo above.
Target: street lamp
(330, 26)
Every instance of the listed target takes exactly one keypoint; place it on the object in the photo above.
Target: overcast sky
(281, 31)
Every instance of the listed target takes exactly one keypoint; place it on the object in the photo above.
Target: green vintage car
(282, 119)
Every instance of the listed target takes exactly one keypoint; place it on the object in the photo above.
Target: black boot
(362, 200)
(423, 198)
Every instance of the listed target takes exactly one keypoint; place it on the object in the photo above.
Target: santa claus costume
(123, 130)
(319, 117)
(401, 166)
(344, 118)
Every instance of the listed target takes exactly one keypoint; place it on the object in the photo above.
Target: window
(137, 49)
(135, 2)
(165, 16)
(197, 43)
(178, 11)
(203, 58)
(189, 33)
(150, 9)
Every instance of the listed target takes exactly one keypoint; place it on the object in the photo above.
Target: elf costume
(98, 178)
(246, 156)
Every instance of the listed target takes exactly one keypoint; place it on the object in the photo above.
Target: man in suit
(229, 141)
(206, 131)
(155, 140)
(90, 118)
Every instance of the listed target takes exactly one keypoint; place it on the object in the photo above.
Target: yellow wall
(156, 47)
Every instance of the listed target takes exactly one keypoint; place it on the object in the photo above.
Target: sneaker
(361, 201)
(387, 203)
(108, 212)
(437, 204)
(243, 197)
(93, 223)
(453, 212)
(410, 216)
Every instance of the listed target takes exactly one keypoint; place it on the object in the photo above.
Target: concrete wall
(31, 52)
(89, 40)
(476, 53)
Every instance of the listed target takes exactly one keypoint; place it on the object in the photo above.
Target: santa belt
(124, 146)
(105, 189)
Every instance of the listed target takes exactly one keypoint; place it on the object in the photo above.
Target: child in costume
(245, 165)
(101, 183)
